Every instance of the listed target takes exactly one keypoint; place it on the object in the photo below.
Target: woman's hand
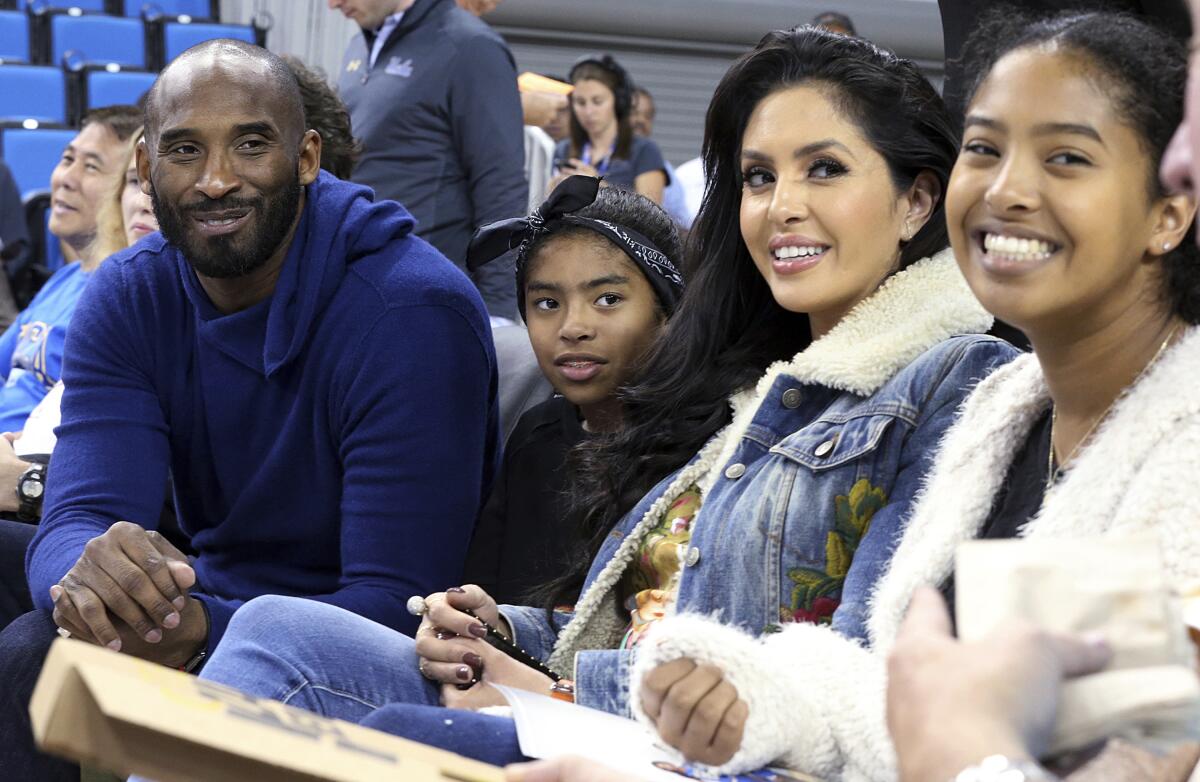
(695, 710)
(498, 668)
(448, 640)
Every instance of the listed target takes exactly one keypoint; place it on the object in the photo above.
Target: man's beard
(237, 255)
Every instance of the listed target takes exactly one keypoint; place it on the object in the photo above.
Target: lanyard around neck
(602, 166)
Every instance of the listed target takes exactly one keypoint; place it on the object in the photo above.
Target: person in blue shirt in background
(31, 349)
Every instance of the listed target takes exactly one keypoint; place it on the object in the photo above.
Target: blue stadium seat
(14, 36)
(178, 37)
(31, 155)
(106, 88)
(199, 9)
(99, 39)
(84, 5)
(32, 92)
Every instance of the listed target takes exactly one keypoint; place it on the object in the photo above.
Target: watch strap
(30, 508)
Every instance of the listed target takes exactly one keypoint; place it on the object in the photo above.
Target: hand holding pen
(451, 622)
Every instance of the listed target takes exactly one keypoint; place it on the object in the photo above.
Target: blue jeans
(326, 660)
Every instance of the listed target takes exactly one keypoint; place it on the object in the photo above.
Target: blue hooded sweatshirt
(333, 441)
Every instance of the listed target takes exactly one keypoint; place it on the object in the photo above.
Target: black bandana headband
(572, 194)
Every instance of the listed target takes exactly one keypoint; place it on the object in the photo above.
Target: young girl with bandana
(597, 278)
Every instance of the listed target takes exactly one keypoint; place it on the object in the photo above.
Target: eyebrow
(168, 136)
(262, 128)
(599, 282)
(804, 151)
(1041, 129)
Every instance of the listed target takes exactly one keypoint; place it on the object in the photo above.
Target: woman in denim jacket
(822, 348)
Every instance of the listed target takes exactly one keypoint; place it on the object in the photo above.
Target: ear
(309, 164)
(921, 199)
(1171, 218)
(142, 155)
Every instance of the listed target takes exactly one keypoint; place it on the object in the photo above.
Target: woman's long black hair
(728, 328)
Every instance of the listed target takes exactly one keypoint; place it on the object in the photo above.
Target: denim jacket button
(735, 471)
(693, 557)
(791, 398)
(825, 448)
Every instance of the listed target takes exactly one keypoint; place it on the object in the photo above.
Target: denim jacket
(806, 491)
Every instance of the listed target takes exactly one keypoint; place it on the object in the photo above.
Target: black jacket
(523, 539)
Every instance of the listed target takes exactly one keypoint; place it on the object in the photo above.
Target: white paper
(547, 728)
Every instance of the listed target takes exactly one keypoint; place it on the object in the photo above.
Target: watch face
(31, 488)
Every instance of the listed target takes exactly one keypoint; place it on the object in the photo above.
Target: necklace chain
(1053, 470)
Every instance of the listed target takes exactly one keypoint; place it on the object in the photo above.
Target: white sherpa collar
(911, 312)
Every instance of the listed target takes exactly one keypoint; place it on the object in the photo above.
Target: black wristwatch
(31, 488)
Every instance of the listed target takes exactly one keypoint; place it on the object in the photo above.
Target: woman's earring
(1166, 247)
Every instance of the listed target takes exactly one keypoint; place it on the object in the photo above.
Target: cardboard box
(128, 716)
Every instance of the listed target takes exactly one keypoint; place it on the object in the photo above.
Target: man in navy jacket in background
(319, 382)
(432, 94)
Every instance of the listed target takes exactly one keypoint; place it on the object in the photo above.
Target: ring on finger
(417, 606)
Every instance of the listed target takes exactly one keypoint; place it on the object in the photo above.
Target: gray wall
(677, 49)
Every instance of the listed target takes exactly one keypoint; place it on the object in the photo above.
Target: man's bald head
(229, 60)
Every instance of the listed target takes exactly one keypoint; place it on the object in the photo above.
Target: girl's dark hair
(728, 327)
(1143, 71)
(579, 136)
(619, 207)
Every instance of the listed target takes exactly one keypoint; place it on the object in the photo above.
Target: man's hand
(131, 574)
(951, 704)
(695, 710)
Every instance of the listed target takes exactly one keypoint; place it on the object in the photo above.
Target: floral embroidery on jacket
(817, 593)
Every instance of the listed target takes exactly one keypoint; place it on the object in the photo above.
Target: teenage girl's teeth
(1018, 249)
(787, 253)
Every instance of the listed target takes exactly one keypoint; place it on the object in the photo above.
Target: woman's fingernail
(457, 590)
(179, 603)
(473, 660)
(153, 637)
(171, 621)
(56, 592)
(464, 673)
(115, 644)
(479, 631)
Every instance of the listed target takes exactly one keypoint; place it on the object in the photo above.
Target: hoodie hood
(340, 224)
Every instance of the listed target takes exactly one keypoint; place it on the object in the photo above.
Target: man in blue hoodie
(319, 382)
